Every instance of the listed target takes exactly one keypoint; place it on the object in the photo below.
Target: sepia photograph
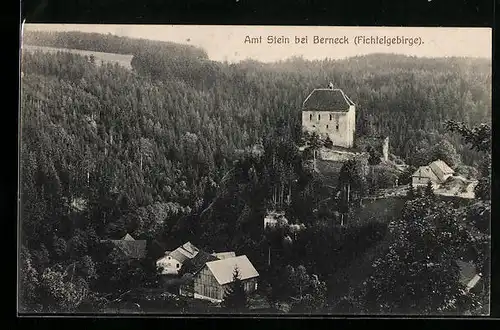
(260, 170)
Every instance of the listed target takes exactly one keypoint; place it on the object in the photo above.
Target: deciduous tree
(419, 273)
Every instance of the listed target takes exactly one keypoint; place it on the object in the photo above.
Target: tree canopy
(183, 148)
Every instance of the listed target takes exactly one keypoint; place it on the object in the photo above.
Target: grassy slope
(329, 171)
(352, 276)
(378, 210)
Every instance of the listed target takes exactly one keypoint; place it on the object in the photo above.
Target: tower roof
(327, 99)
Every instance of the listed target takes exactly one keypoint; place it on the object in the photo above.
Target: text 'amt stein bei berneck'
(278, 40)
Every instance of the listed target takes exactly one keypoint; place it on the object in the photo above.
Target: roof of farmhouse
(223, 269)
(184, 252)
(437, 170)
(195, 264)
(129, 248)
(327, 99)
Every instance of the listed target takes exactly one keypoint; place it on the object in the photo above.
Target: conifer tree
(235, 298)
(429, 190)
(411, 191)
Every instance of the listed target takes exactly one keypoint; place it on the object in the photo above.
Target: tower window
(330, 117)
(310, 117)
(337, 127)
(319, 117)
(326, 126)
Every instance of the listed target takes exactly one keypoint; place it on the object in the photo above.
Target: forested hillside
(152, 151)
(406, 98)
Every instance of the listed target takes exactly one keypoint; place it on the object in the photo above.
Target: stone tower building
(329, 112)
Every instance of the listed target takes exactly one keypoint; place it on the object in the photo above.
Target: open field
(380, 210)
(120, 59)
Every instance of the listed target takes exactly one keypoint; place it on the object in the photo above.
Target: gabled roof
(184, 252)
(130, 249)
(426, 172)
(326, 99)
(441, 169)
(190, 248)
(127, 237)
(436, 171)
(195, 264)
(442, 166)
(223, 269)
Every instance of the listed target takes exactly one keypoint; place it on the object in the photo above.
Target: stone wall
(338, 156)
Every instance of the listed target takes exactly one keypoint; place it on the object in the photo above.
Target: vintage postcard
(186, 169)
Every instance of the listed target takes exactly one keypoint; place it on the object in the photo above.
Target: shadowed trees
(235, 298)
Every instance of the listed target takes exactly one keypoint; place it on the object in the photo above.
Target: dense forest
(184, 148)
(422, 92)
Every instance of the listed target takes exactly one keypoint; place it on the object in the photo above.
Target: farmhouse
(127, 248)
(211, 281)
(436, 172)
(330, 113)
(172, 262)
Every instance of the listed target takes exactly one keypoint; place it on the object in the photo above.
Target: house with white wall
(171, 263)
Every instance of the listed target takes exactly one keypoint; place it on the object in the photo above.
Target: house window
(326, 126)
(314, 126)
(330, 117)
(177, 266)
(337, 127)
(319, 117)
(169, 257)
(255, 286)
(310, 117)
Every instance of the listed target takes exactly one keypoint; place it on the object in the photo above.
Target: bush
(467, 172)
(384, 177)
(405, 177)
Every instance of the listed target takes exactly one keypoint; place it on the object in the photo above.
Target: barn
(436, 172)
(211, 281)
